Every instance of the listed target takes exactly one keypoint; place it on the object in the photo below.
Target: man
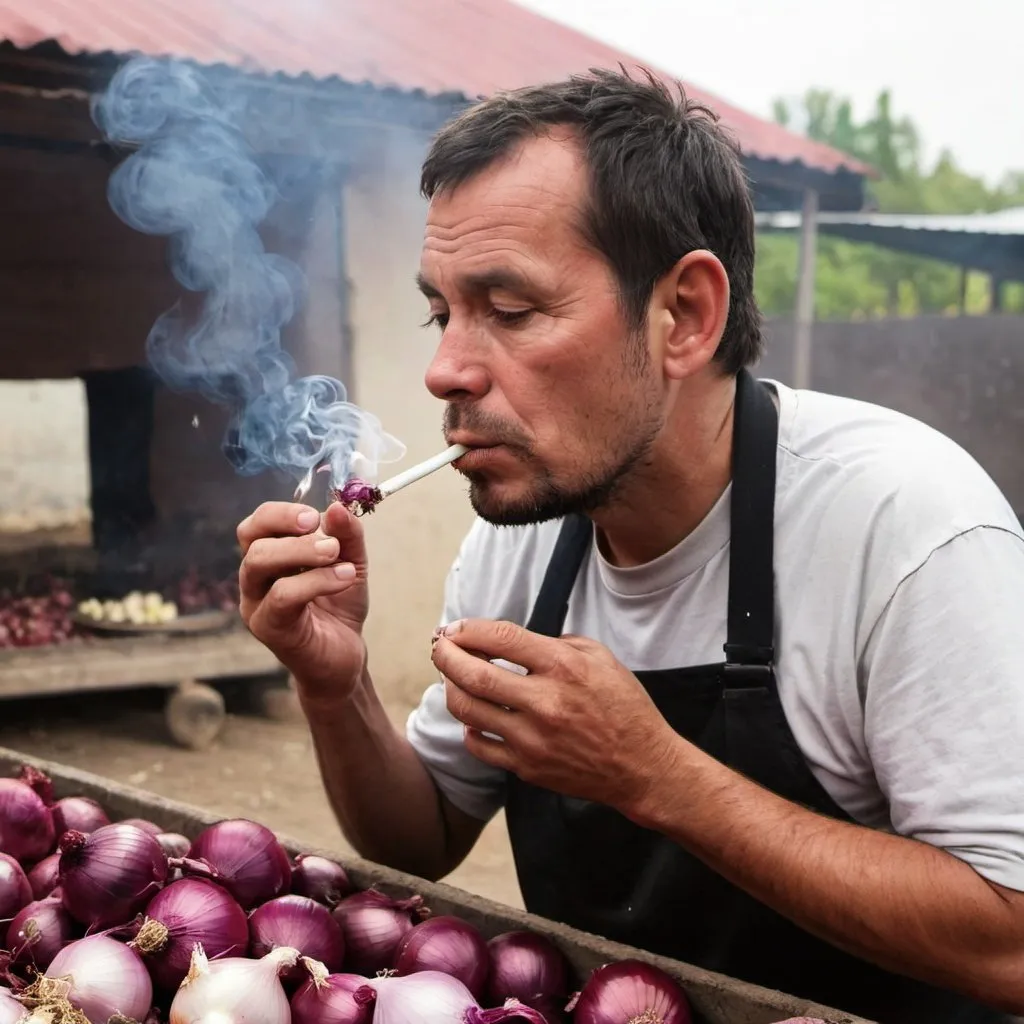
(835, 807)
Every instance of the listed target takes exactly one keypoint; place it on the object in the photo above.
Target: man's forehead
(540, 173)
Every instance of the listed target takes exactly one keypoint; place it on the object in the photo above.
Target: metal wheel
(194, 714)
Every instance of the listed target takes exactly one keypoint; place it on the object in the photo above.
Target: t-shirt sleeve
(474, 787)
(944, 702)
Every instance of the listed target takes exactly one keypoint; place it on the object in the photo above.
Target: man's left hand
(578, 723)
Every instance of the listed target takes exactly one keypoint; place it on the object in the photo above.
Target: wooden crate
(715, 998)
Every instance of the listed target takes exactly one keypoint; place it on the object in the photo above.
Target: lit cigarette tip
(361, 498)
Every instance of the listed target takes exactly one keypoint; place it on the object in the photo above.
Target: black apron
(585, 865)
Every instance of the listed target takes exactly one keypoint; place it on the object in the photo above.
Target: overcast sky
(956, 68)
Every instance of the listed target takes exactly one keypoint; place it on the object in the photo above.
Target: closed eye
(511, 317)
(436, 320)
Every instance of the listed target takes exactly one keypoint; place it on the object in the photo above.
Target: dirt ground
(257, 768)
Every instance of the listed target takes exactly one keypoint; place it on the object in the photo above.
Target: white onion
(104, 978)
(234, 989)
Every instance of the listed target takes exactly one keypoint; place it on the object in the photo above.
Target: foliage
(854, 280)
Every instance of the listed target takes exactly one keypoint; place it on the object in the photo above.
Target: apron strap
(750, 643)
(552, 603)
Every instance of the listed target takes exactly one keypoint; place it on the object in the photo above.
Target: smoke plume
(194, 178)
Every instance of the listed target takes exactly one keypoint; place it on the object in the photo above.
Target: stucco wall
(416, 533)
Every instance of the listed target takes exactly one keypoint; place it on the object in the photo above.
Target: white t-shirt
(899, 594)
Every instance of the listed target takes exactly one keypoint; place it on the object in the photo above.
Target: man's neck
(668, 497)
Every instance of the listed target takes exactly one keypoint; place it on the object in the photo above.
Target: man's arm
(384, 798)
(944, 714)
(900, 903)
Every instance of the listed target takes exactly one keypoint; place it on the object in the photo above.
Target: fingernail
(328, 546)
(437, 634)
(345, 571)
(307, 519)
(452, 628)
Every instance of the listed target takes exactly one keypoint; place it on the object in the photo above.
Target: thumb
(340, 523)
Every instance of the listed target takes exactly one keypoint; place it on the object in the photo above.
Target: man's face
(535, 359)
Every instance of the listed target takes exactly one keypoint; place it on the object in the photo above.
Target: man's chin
(510, 509)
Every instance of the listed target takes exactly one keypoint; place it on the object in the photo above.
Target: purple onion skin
(15, 888)
(373, 926)
(194, 910)
(449, 945)
(110, 875)
(627, 989)
(39, 932)
(146, 826)
(78, 813)
(44, 876)
(300, 923)
(334, 1002)
(173, 844)
(26, 825)
(320, 879)
(527, 967)
(246, 859)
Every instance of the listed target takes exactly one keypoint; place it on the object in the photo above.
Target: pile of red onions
(123, 918)
(37, 620)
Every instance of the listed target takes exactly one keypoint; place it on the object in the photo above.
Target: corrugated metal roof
(1002, 222)
(472, 47)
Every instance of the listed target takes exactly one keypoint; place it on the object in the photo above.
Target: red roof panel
(473, 47)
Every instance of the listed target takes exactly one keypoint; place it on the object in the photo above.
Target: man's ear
(689, 310)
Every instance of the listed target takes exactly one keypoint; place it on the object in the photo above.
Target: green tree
(856, 280)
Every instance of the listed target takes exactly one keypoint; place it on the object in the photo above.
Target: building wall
(415, 535)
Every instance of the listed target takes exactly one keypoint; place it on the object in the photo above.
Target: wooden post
(805, 291)
(964, 275)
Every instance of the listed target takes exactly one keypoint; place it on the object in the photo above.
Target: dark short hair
(665, 180)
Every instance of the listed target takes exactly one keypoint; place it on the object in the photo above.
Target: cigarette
(425, 468)
(360, 497)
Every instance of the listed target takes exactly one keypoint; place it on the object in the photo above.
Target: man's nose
(457, 371)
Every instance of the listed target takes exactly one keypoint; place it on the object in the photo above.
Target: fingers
(489, 750)
(478, 678)
(510, 642)
(276, 519)
(476, 713)
(289, 596)
(269, 558)
(341, 524)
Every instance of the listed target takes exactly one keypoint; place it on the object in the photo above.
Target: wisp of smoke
(195, 179)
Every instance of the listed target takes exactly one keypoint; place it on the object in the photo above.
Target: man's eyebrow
(427, 288)
(499, 279)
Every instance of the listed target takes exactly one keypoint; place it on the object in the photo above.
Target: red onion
(26, 827)
(246, 859)
(108, 876)
(623, 992)
(39, 782)
(15, 888)
(146, 826)
(11, 1009)
(440, 999)
(527, 967)
(78, 813)
(173, 844)
(44, 876)
(106, 978)
(234, 989)
(373, 925)
(320, 879)
(297, 922)
(39, 932)
(186, 912)
(332, 998)
(448, 945)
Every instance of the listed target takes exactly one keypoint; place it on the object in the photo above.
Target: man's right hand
(303, 584)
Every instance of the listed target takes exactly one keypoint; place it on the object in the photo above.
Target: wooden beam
(805, 291)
